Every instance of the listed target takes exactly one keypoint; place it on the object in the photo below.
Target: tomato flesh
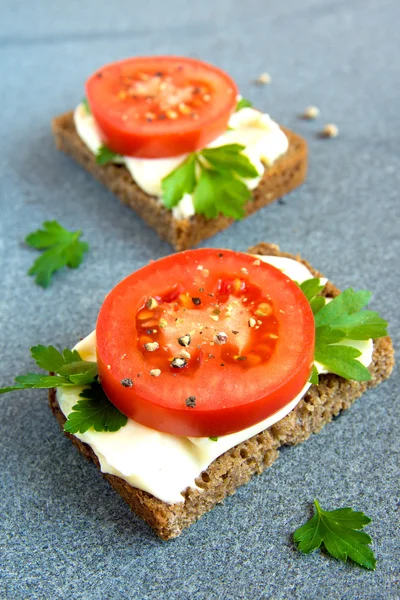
(155, 107)
(204, 343)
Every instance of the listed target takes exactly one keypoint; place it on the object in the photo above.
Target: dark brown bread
(236, 466)
(287, 173)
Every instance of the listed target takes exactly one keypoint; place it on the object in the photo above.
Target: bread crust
(287, 173)
(235, 467)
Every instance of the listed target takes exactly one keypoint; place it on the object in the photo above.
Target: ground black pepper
(191, 401)
(178, 362)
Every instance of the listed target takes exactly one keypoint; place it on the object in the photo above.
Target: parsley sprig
(339, 532)
(61, 248)
(68, 366)
(243, 103)
(86, 106)
(337, 321)
(214, 177)
(94, 410)
(104, 156)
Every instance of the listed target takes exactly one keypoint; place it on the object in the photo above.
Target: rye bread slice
(287, 173)
(236, 466)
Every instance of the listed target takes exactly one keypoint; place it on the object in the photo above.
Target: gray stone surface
(65, 533)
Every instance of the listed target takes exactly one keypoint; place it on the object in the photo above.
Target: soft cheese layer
(263, 139)
(163, 464)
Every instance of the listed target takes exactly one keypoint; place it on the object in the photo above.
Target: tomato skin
(121, 115)
(230, 396)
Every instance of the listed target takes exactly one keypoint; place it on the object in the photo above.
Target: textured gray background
(65, 533)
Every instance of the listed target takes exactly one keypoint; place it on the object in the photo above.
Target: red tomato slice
(160, 106)
(204, 343)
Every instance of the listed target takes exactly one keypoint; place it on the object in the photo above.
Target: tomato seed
(264, 309)
(151, 303)
(252, 322)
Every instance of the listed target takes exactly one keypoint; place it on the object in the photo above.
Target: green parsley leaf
(86, 106)
(314, 379)
(68, 364)
(179, 182)
(347, 303)
(104, 156)
(50, 359)
(34, 380)
(339, 532)
(70, 368)
(218, 192)
(243, 103)
(341, 360)
(317, 303)
(94, 411)
(231, 159)
(213, 176)
(62, 248)
(343, 318)
(312, 287)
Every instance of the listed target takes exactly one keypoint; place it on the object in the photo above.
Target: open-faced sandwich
(201, 366)
(171, 138)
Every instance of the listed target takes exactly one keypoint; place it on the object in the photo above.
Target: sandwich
(202, 365)
(172, 138)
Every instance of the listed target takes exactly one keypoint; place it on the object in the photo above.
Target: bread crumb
(155, 372)
(311, 112)
(264, 79)
(329, 131)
